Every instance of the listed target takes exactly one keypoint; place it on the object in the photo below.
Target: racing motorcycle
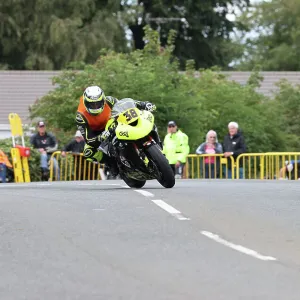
(135, 146)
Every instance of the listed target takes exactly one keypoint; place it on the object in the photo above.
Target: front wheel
(165, 173)
(133, 183)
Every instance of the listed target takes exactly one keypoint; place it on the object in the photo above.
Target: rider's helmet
(94, 100)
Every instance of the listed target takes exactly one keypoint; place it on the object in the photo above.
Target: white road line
(144, 193)
(239, 248)
(98, 209)
(180, 217)
(170, 209)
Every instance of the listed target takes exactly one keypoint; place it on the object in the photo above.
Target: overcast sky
(231, 17)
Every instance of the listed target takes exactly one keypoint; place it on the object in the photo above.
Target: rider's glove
(150, 107)
(92, 160)
(104, 135)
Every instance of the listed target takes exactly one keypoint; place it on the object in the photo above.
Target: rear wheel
(133, 183)
(165, 174)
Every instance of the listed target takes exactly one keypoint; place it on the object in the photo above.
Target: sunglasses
(212, 137)
(171, 126)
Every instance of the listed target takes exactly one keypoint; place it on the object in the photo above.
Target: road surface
(218, 240)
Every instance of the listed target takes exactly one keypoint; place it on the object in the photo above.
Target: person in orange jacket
(4, 163)
(4, 159)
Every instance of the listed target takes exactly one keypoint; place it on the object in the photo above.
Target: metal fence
(250, 166)
(211, 166)
(282, 165)
(260, 166)
(73, 167)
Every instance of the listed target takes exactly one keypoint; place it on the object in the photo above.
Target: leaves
(39, 34)
(277, 40)
(203, 28)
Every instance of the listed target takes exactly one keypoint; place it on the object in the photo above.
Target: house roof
(270, 79)
(19, 89)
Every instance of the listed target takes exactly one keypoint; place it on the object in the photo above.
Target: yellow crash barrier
(282, 165)
(209, 166)
(250, 166)
(20, 160)
(273, 165)
(73, 167)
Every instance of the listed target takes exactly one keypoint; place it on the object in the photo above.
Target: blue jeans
(3, 173)
(210, 168)
(293, 162)
(44, 165)
(230, 173)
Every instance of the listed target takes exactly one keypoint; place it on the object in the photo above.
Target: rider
(93, 112)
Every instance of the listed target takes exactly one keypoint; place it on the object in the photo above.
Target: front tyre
(165, 173)
(133, 183)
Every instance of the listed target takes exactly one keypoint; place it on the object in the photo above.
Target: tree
(202, 26)
(41, 34)
(197, 104)
(287, 107)
(275, 42)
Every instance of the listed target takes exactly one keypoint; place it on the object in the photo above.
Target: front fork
(156, 137)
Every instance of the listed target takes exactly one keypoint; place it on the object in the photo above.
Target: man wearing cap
(76, 146)
(176, 148)
(234, 145)
(46, 143)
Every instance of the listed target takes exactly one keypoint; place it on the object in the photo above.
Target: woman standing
(211, 146)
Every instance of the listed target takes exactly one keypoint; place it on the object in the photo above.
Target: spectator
(287, 171)
(211, 146)
(5, 167)
(76, 146)
(176, 148)
(234, 145)
(46, 143)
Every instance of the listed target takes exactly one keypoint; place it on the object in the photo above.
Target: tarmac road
(200, 240)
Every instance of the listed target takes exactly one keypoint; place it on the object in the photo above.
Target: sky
(231, 17)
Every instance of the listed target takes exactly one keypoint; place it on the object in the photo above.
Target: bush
(197, 104)
(287, 108)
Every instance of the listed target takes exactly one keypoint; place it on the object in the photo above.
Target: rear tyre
(166, 174)
(133, 183)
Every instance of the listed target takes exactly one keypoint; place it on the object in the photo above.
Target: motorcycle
(135, 146)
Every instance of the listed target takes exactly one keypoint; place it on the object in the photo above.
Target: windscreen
(121, 106)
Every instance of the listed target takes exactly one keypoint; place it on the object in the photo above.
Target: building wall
(20, 89)
(4, 131)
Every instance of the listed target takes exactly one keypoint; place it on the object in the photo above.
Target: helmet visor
(95, 106)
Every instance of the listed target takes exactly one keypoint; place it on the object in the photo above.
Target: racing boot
(45, 174)
(112, 166)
